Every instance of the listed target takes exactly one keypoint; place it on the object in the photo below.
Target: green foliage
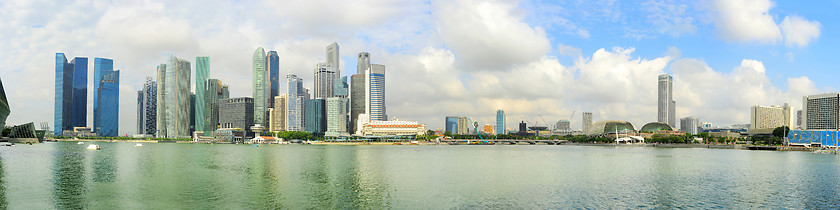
(780, 131)
(289, 135)
(447, 133)
(430, 133)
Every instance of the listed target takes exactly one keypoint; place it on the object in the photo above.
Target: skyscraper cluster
(71, 82)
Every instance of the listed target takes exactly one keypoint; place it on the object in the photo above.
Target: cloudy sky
(450, 57)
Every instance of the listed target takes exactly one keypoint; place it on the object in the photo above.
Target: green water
(186, 176)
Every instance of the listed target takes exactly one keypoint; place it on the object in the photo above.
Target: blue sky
(451, 57)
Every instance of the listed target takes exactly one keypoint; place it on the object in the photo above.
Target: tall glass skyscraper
(273, 65)
(213, 92)
(376, 93)
(259, 86)
(109, 104)
(452, 124)
(358, 100)
(160, 116)
(202, 70)
(177, 99)
(147, 108)
(500, 121)
(101, 66)
(294, 104)
(70, 93)
(315, 115)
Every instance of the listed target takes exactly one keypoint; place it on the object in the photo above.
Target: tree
(430, 132)
(447, 133)
(780, 131)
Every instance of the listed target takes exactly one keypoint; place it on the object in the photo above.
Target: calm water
(120, 176)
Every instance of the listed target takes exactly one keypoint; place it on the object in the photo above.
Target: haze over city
(465, 58)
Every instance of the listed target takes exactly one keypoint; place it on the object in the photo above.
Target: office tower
(689, 125)
(364, 62)
(213, 92)
(294, 103)
(315, 119)
(160, 122)
(273, 68)
(770, 117)
(325, 77)
(192, 114)
(236, 113)
(202, 71)
(587, 121)
(337, 115)
(278, 115)
(101, 66)
(500, 121)
(259, 86)
(522, 127)
(225, 91)
(147, 108)
(376, 93)
(666, 104)
(5, 110)
(70, 93)
(464, 126)
(451, 124)
(333, 58)
(107, 115)
(177, 101)
(340, 88)
(821, 112)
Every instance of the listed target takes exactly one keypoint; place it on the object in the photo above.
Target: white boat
(93, 147)
(138, 145)
(80, 142)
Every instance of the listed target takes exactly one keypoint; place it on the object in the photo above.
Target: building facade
(666, 110)
(295, 104)
(5, 110)
(337, 116)
(70, 93)
(500, 122)
(464, 126)
(767, 118)
(273, 67)
(259, 89)
(393, 128)
(278, 115)
(451, 124)
(213, 91)
(202, 72)
(316, 118)
(587, 121)
(689, 124)
(236, 113)
(101, 66)
(325, 76)
(177, 99)
(821, 112)
(160, 122)
(105, 98)
(147, 108)
(375, 93)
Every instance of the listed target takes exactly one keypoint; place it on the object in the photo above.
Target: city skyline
(433, 71)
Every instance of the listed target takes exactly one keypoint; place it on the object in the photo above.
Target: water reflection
(68, 177)
(3, 203)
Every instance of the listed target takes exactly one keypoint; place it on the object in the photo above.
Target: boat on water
(80, 142)
(93, 147)
(414, 143)
(138, 145)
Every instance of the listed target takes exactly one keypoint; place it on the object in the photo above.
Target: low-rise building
(393, 128)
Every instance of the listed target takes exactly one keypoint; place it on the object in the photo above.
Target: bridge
(502, 141)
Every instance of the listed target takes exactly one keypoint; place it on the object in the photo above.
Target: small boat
(397, 143)
(93, 147)
(256, 145)
(414, 143)
(138, 145)
(80, 142)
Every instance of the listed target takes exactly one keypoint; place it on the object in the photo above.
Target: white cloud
(799, 32)
(489, 35)
(746, 21)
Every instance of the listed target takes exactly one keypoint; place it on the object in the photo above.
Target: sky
(540, 61)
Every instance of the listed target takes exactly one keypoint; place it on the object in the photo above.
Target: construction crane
(543, 119)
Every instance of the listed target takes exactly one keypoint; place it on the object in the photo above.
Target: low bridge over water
(503, 141)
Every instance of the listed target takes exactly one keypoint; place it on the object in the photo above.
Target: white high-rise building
(375, 90)
(278, 115)
(587, 121)
(294, 103)
(689, 125)
(766, 118)
(325, 76)
(821, 112)
(337, 116)
(666, 110)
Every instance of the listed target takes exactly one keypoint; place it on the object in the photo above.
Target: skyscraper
(325, 77)
(376, 93)
(315, 115)
(294, 103)
(500, 121)
(177, 98)
(821, 112)
(333, 58)
(202, 70)
(5, 110)
(358, 99)
(666, 104)
(587, 121)
(337, 115)
(70, 93)
(451, 124)
(273, 66)
(214, 90)
(259, 86)
(279, 114)
(160, 122)
(107, 116)
(101, 66)
(236, 113)
(147, 108)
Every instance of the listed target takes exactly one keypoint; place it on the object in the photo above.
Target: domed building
(655, 127)
(610, 126)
